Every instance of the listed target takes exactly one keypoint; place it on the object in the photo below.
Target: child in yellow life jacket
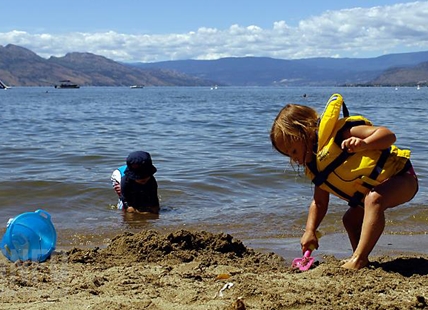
(351, 159)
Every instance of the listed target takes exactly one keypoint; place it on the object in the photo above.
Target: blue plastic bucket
(29, 236)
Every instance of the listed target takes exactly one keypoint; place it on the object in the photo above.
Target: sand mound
(179, 247)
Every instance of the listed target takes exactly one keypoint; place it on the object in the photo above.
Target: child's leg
(393, 192)
(353, 220)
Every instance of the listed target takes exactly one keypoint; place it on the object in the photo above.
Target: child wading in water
(349, 158)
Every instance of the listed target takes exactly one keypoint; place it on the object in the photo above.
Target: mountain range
(22, 67)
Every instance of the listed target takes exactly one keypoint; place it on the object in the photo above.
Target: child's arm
(363, 137)
(115, 181)
(317, 211)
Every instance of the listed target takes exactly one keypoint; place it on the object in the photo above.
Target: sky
(161, 30)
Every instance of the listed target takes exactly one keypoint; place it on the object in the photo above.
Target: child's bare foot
(343, 261)
(355, 263)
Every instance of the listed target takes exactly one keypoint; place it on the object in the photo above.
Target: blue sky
(150, 31)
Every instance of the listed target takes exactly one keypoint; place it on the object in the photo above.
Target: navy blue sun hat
(139, 165)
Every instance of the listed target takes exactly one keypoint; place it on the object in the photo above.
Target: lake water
(217, 170)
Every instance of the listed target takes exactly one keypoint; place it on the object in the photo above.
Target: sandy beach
(202, 270)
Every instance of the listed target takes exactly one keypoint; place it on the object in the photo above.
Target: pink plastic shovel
(303, 263)
(306, 261)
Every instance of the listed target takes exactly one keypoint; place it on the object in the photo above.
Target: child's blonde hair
(294, 122)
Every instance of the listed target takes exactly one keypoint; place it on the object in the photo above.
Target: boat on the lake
(3, 85)
(66, 84)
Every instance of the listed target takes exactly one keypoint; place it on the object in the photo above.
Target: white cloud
(357, 32)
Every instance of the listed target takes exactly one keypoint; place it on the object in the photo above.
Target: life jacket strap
(321, 176)
(357, 198)
(345, 110)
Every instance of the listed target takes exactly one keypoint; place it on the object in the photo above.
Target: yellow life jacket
(350, 176)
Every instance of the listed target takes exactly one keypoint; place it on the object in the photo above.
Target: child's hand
(130, 210)
(353, 145)
(309, 241)
(116, 188)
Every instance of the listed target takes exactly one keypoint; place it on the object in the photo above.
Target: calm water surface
(216, 168)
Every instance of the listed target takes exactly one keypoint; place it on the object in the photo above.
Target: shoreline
(331, 244)
(335, 244)
(338, 245)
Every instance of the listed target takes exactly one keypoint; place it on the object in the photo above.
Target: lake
(217, 170)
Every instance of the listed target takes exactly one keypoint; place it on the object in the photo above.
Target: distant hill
(264, 71)
(416, 75)
(21, 67)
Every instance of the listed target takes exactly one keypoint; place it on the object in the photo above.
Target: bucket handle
(43, 213)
